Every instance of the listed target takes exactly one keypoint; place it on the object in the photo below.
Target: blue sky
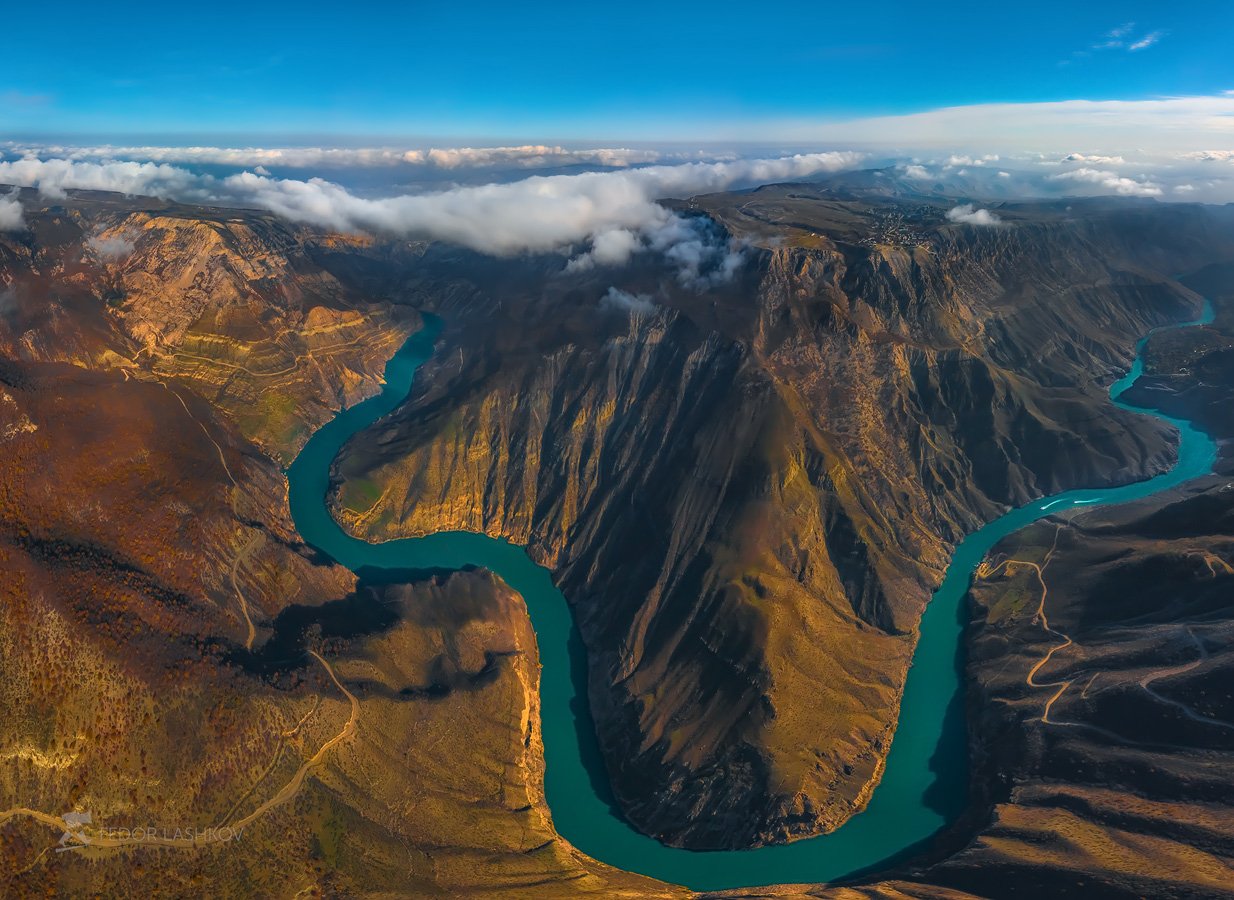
(635, 71)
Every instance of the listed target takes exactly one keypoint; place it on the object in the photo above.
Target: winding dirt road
(78, 836)
(250, 545)
(1216, 566)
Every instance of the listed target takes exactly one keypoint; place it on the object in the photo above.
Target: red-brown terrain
(747, 495)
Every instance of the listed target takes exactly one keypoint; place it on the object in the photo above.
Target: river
(926, 779)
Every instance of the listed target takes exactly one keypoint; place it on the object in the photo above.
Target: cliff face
(156, 603)
(1190, 373)
(1098, 673)
(1100, 745)
(442, 787)
(747, 497)
(239, 307)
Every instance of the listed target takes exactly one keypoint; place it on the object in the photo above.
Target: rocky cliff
(240, 308)
(159, 615)
(1098, 650)
(746, 493)
(133, 564)
(748, 496)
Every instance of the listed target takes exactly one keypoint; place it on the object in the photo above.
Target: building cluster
(901, 227)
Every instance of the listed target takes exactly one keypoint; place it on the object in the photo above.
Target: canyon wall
(748, 496)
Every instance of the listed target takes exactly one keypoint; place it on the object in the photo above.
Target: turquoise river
(926, 778)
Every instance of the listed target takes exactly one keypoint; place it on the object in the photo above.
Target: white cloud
(1184, 188)
(539, 156)
(966, 160)
(1095, 160)
(968, 215)
(1175, 124)
(918, 172)
(1147, 41)
(614, 212)
(1115, 37)
(638, 304)
(11, 218)
(703, 259)
(608, 248)
(54, 176)
(111, 249)
(1111, 182)
(1121, 30)
(537, 214)
(1211, 155)
(262, 159)
(1121, 38)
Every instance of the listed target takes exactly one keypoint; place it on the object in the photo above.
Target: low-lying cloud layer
(612, 214)
(1197, 175)
(1112, 182)
(606, 210)
(1159, 126)
(527, 156)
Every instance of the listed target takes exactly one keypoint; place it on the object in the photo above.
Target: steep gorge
(156, 601)
(748, 497)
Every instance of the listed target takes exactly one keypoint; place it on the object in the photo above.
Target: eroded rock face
(240, 307)
(1190, 374)
(449, 763)
(1102, 769)
(748, 496)
(156, 604)
(1097, 771)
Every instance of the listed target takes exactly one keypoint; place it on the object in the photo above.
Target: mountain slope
(748, 495)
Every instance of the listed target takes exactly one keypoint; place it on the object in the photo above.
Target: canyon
(748, 496)
(747, 493)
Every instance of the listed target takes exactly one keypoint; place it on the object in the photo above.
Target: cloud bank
(1205, 176)
(1093, 159)
(613, 214)
(528, 156)
(1111, 182)
(1211, 155)
(1170, 124)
